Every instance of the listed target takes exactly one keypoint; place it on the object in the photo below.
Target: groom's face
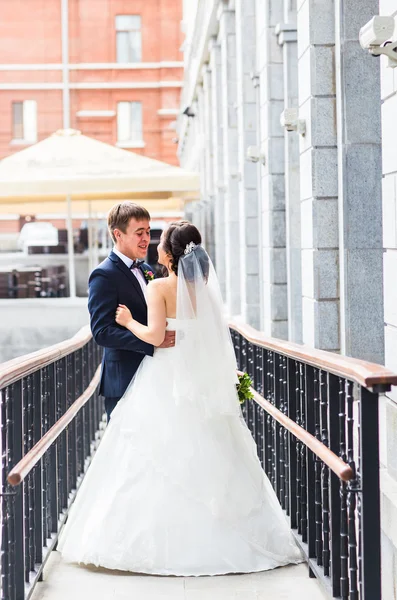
(134, 243)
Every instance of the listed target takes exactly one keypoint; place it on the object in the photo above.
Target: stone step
(68, 582)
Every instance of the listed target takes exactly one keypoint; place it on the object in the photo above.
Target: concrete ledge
(27, 325)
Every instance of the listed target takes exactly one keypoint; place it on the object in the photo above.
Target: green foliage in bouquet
(243, 388)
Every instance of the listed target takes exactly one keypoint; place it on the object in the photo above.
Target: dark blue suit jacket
(110, 284)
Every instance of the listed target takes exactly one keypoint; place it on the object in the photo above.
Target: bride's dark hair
(176, 238)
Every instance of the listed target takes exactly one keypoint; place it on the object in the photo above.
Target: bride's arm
(154, 332)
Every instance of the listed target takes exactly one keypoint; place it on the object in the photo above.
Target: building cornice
(100, 85)
(206, 28)
(93, 66)
(286, 33)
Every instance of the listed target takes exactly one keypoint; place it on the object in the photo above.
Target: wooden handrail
(364, 373)
(13, 370)
(28, 462)
(336, 464)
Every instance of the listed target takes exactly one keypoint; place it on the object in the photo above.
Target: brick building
(122, 77)
(110, 68)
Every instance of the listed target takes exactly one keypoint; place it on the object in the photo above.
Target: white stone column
(270, 72)
(287, 39)
(217, 163)
(208, 160)
(200, 141)
(259, 167)
(247, 186)
(360, 185)
(388, 403)
(319, 174)
(227, 40)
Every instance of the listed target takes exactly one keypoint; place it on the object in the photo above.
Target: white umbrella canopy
(72, 166)
(69, 163)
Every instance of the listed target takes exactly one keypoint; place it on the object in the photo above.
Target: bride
(176, 487)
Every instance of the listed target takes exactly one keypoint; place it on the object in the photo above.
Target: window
(24, 121)
(128, 38)
(129, 123)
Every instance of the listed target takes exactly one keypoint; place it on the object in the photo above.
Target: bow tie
(136, 264)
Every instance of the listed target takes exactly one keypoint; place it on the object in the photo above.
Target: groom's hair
(121, 213)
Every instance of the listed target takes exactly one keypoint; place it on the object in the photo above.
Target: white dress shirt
(136, 271)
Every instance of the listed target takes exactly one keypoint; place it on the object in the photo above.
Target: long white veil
(204, 350)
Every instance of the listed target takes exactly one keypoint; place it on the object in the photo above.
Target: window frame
(130, 140)
(128, 31)
(27, 124)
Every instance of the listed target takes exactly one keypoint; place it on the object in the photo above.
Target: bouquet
(244, 387)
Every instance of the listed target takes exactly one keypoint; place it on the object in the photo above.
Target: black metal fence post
(370, 508)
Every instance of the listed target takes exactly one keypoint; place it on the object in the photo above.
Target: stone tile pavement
(68, 582)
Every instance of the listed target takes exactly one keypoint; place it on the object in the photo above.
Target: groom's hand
(169, 340)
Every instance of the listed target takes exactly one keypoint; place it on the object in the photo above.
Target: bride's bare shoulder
(156, 283)
(159, 285)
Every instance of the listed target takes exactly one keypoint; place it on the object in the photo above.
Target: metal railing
(315, 422)
(50, 415)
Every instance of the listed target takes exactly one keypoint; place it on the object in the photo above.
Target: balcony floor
(67, 582)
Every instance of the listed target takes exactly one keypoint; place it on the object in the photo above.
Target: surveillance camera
(254, 155)
(189, 112)
(377, 37)
(376, 32)
(289, 119)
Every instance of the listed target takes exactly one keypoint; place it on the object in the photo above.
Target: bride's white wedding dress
(174, 491)
(176, 487)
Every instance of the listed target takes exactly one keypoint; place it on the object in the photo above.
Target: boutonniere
(149, 275)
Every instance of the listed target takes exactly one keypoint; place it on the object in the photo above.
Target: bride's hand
(123, 315)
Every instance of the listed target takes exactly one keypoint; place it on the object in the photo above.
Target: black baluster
(344, 572)
(277, 450)
(46, 399)
(292, 446)
(258, 385)
(325, 474)
(53, 453)
(351, 497)
(37, 472)
(27, 412)
(284, 469)
(299, 448)
(78, 420)
(17, 559)
(317, 471)
(6, 501)
(335, 499)
(267, 427)
(270, 422)
(303, 460)
(72, 441)
(310, 468)
(86, 418)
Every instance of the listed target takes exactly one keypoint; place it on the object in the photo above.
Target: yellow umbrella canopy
(69, 163)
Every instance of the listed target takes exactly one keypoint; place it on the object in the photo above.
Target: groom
(121, 279)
